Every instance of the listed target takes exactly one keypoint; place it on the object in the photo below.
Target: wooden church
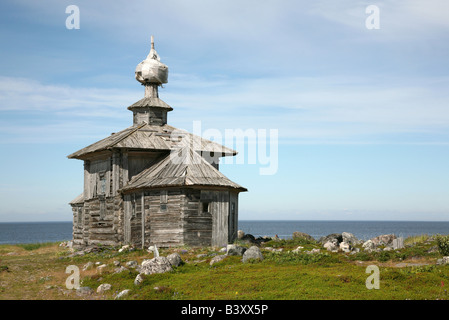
(153, 184)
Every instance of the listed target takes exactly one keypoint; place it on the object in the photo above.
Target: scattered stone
(332, 237)
(350, 239)
(116, 263)
(433, 249)
(156, 265)
(331, 245)
(139, 279)
(298, 249)
(132, 264)
(385, 239)
(120, 269)
(235, 250)
(223, 250)
(88, 266)
(103, 287)
(313, 251)
(369, 246)
(125, 248)
(101, 268)
(83, 291)
(174, 259)
(250, 239)
(122, 294)
(66, 244)
(443, 261)
(240, 234)
(388, 248)
(345, 247)
(217, 258)
(302, 235)
(276, 249)
(398, 243)
(252, 253)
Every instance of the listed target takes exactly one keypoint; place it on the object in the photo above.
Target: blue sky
(362, 115)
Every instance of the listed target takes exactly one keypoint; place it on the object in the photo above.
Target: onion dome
(152, 70)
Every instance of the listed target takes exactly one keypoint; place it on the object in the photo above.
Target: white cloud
(312, 109)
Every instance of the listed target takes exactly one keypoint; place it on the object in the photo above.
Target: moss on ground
(38, 273)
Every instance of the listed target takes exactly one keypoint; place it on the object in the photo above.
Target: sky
(346, 109)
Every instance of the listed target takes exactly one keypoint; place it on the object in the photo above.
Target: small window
(164, 200)
(102, 209)
(133, 206)
(102, 183)
(205, 207)
(80, 215)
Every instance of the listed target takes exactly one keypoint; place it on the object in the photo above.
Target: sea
(40, 232)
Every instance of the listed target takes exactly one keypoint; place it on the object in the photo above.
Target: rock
(101, 268)
(122, 294)
(82, 291)
(235, 250)
(385, 239)
(132, 264)
(302, 235)
(174, 259)
(139, 279)
(349, 238)
(331, 245)
(88, 266)
(156, 265)
(345, 247)
(388, 248)
(443, 261)
(276, 249)
(334, 236)
(433, 249)
(248, 238)
(120, 269)
(252, 253)
(398, 243)
(217, 258)
(116, 263)
(298, 249)
(103, 287)
(369, 246)
(222, 250)
(124, 248)
(313, 251)
(240, 234)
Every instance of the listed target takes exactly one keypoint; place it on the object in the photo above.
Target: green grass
(34, 246)
(38, 272)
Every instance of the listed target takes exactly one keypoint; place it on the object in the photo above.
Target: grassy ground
(37, 272)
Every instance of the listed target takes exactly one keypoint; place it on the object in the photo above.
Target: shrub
(443, 244)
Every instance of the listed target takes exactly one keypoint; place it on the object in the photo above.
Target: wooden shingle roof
(181, 168)
(152, 137)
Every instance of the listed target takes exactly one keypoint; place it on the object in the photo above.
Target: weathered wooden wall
(98, 221)
(197, 224)
(174, 217)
